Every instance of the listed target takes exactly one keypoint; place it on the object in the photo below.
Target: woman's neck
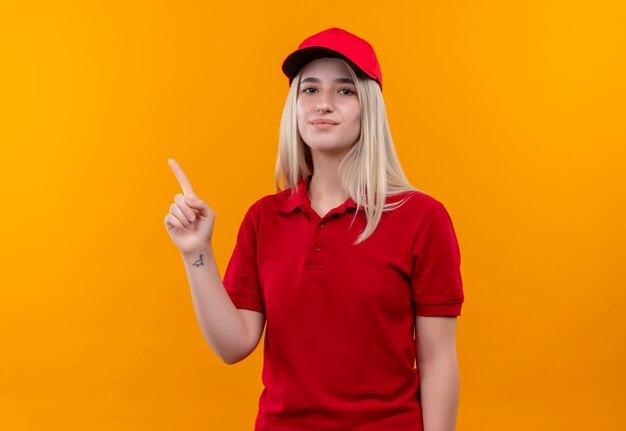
(325, 190)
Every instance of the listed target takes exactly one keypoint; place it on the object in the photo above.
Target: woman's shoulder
(414, 202)
(274, 201)
(415, 211)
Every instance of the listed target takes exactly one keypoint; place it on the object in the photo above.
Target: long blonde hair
(369, 172)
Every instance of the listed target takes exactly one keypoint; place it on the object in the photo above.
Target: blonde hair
(369, 172)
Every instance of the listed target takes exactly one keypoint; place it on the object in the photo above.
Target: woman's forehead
(325, 65)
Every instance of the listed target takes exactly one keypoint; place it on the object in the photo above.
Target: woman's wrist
(199, 256)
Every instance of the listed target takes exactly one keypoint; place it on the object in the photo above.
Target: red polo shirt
(339, 351)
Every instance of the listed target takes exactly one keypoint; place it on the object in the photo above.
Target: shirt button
(318, 247)
(322, 225)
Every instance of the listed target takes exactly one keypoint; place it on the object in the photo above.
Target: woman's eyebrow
(338, 80)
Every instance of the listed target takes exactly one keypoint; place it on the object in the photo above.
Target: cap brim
(298, 59)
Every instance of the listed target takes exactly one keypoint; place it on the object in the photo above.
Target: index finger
(182, 179)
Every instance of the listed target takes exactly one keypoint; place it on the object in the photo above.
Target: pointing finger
(182, 179)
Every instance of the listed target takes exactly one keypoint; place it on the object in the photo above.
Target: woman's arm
(232, 333)
(435, 343)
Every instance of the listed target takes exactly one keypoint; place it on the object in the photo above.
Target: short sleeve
(241, 279)
(436, 285)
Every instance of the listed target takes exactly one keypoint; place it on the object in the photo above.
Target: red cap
(335, 42)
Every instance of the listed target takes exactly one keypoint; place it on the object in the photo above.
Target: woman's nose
(324, 107)
(324, 104)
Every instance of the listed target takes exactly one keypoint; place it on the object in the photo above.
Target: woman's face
(328, 109)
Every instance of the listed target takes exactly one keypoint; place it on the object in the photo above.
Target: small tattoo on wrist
(198, 262)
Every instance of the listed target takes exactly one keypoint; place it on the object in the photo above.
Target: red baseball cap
(335, 42)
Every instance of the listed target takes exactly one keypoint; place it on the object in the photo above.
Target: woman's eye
(344, 91)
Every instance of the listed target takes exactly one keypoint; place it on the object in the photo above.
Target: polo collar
(300, 200)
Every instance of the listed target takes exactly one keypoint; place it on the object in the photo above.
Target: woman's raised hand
(189, 221)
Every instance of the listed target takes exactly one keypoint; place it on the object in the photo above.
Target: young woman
(354, 273)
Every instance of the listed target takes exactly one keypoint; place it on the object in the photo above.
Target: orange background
(510, 113)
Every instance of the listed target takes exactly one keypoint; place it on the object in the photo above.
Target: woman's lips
(323, 124)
